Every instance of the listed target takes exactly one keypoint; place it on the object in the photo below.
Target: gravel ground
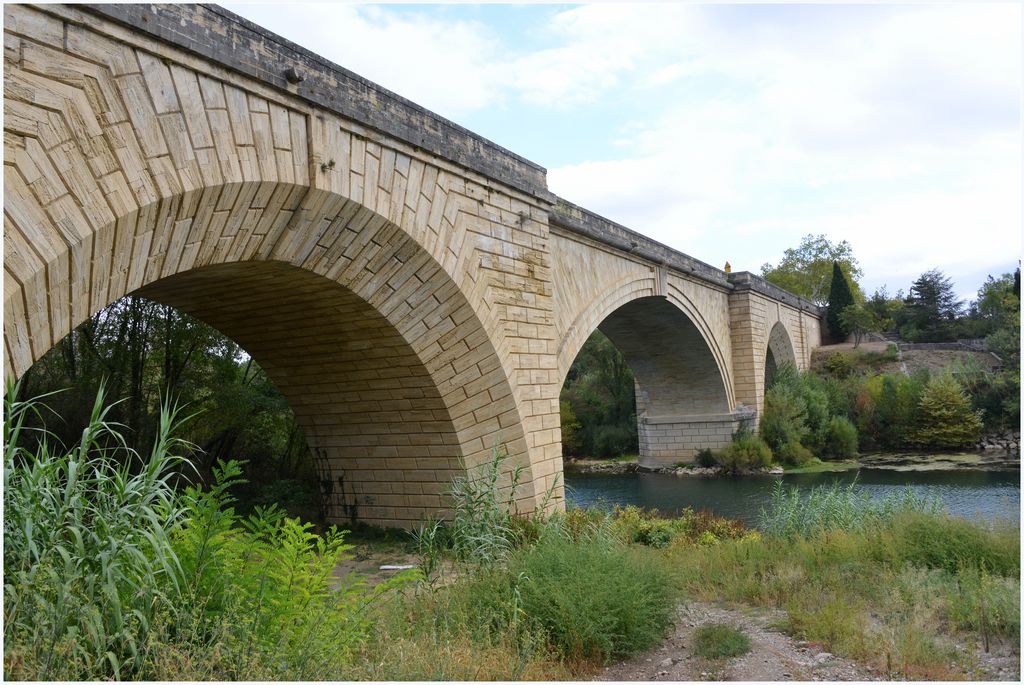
(773, 655)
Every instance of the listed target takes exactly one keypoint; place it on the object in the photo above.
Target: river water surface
(967, 493)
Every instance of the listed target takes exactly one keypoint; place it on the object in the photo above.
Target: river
(967, 493)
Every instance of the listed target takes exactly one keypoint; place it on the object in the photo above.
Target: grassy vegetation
(894, 594)
(719, 641)
(113, 569)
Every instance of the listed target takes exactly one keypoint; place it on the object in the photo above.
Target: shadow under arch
(778, 352)
(384, 361)
(620, 295)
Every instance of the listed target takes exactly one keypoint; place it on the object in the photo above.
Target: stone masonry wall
(130, 159)
(665, 441)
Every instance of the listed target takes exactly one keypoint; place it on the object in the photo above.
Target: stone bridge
(414, 290)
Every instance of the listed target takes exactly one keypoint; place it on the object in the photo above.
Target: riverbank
(988, 460)
(864, 597)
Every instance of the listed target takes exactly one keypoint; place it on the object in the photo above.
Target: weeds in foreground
(481, 528)
(113, 573)
(866, 593)
(792, 513)
(720, 641)
(89, 560)
(110, 571)
(486, 525)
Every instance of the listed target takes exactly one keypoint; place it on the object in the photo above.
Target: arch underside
(681, 399)
(778, 352)
(380, 432)
(676, 373)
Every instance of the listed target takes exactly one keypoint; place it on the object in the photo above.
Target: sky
(729, 132)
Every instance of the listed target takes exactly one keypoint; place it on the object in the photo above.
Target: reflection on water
(985, 494)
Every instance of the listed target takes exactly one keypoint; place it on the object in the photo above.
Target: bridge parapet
(744, 280)
(227, 39)
(584, 222)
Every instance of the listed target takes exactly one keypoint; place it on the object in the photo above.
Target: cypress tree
(839, 298)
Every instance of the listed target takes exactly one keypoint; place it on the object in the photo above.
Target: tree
(806, 270)
(945, 415)
(598, 402)
(143, 351)
(857, 319)
(932, 309)
(998, 305)
(886, 309)
(839, 298)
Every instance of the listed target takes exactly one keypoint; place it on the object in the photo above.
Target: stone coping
(582, 221)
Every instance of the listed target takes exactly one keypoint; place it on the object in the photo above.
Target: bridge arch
(133, 165)
(683, 390)
(618, 295)
(383, 360)
(779, 351)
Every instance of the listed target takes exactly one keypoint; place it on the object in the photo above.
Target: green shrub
(705, 459)
(633, 524)
(886, 409)
(997, 398)
(839, 364)
(112, 572)
(594, 601)
(793, 453)
(577, 523)
(648, 527)
(986, 604)
(749, 452)
(571, 440)
(88, 562)
(783, 418)
(840, 438)
(589, 600)
(815, 401)
(481, 529)
(842, 396)
(796, 411)
(718, 641)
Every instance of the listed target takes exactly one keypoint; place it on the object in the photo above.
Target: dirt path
(773, 655)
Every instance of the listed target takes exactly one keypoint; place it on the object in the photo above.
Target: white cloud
(903, 138)
(448, 66)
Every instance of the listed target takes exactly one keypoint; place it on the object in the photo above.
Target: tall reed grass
(111, 571)
(791, 512)
(89, 560)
